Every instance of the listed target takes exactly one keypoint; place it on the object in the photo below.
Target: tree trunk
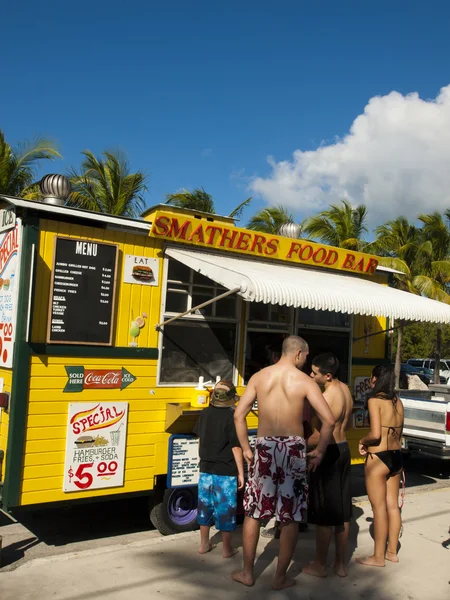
(437, 356)
(398, 356)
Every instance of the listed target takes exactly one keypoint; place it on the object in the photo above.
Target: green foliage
(270, 219)
(200, 200)
(107, 186)
(419, 341)
(342, 226)
(18, 165)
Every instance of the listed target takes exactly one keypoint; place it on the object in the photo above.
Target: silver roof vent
(55, 189)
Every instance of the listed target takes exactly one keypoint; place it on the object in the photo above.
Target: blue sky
(199, 93)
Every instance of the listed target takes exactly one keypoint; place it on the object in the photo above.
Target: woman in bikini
(384, 465)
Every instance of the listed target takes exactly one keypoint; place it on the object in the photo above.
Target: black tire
(177, 500)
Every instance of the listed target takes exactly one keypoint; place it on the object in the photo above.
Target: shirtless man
(277, 480)
(330, 499)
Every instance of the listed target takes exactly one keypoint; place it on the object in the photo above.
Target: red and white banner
(9, 283)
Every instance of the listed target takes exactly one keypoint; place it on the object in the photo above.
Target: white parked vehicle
(427, 421)
(429, 363)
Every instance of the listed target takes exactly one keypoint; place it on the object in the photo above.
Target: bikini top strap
(390, 429)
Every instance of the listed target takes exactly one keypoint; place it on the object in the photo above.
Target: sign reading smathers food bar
(95, 445)
(141, 270)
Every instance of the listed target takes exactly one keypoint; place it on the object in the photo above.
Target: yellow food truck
(112, 330)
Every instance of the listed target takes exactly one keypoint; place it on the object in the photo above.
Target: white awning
(298, 286)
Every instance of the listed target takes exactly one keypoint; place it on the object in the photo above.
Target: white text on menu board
(65, 274)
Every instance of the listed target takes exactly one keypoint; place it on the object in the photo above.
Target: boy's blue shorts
(217, 498)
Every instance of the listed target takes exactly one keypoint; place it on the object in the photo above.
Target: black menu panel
(82, 292)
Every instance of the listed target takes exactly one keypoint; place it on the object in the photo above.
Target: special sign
(226, 237)
(9, 282)
(95, 446)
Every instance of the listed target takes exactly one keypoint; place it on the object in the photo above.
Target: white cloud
(395, 159)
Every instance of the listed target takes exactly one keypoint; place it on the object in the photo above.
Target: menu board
(183, 470)
(82, 293)
(183, 461)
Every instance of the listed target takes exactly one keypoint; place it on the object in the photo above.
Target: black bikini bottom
(393, 459)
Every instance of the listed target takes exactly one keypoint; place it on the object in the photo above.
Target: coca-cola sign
(80, 379)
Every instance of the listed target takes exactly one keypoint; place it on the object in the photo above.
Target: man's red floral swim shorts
(277, 482)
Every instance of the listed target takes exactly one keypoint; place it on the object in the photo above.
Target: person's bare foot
(391, 556)
(340, 569)
(371, 561)
(243, 578)
(229, 552)
(316, 569)
(206, 548)
(283, 583)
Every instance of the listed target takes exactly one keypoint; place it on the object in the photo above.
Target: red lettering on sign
(372, 266)
(84, 479)
(272, 247)
(161, 226)
(197, 233)
(349, 261)
(295, 247)
(331, 258)
(228, 238)
(306, 252)
(319, 255)
(214, 230)
(243, 241)
(258, 244)
(178, 231)
(359, 265)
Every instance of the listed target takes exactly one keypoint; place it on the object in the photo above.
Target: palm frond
(237, 212)
(198, 199)
(428, 287)
(394, 263)
(270, 219)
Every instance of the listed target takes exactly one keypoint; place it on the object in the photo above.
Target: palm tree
(269, 220)
(341, 226)
(200, 200)
(422, 255)
(18, 165)
(397, 243)
(434, 269)
(106, 185)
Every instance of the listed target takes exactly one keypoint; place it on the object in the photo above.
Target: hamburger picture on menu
(141, 270)
(142, 273)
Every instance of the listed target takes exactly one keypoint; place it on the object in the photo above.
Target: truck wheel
(177, 512)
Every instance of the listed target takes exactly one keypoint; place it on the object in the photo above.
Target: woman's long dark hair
(385, 383)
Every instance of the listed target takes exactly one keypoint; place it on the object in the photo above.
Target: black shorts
(330, 497)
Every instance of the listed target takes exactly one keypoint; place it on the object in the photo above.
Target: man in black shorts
(330, 500)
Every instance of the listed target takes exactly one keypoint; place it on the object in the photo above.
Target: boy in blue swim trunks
(221, 468)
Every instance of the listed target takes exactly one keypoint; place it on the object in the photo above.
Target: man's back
(340, 401)
(281, 390)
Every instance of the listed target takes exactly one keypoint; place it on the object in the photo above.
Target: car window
(415, 363)
(429, 364)
(443, 366)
